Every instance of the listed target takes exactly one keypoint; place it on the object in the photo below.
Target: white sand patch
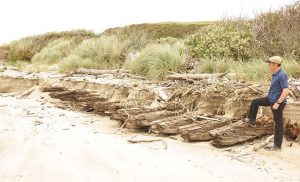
(39, 142)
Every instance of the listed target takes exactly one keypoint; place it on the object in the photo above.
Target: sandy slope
(39, 142)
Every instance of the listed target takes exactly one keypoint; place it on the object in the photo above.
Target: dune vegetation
(232, 45)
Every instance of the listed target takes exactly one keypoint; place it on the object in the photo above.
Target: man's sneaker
(249, 123)
(252, 124)
(273, 148)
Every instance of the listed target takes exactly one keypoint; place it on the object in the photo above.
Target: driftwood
(171, 106)
(263, 144)
(133, 76)
(239, 132)
(123, 114)
(143, 141)
(148, 140)
(69, 95)
(144, 119)
(76, 95)
(206, 118)
(107, 107)
(99, 72)
(53, 89)
(27, 92)
(171, 125)
(86, 101)
(199, 131)
(292, 129)
(193, 76)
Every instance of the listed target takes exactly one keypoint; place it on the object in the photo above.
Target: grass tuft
(156, 60)
(106, 52)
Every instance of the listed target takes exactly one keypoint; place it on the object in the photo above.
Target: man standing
(276, 99)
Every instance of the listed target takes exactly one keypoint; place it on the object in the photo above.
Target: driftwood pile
(171, 119)
(292, 129)
(83, 100)
(116, 73)
(179, 114)
(294, 89)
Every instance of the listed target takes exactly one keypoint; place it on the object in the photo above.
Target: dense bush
(156, 60)
(278, 32)
(217, 41)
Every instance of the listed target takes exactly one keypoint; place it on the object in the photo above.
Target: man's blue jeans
(277, 115)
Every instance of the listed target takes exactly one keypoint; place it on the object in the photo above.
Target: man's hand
(275, 106)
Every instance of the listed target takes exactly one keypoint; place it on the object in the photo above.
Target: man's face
(272, 66)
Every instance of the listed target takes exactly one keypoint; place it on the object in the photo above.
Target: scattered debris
(99, 72)
(37, 122)
(208, 109)
(196, 76)
(143, 140)
(292, 129)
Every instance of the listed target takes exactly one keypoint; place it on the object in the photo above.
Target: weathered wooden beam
(171, 125)
(239, 132)
(199, 131)
(99, 72)
(193, 76)
(144, 119)
(123, 114)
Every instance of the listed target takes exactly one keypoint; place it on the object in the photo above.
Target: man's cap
(274, 59)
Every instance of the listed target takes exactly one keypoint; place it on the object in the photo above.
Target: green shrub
(22, 65)
(156, 60)
(24, 49)
(159, 30)
(73, 62)
(4, 49)
(21, 50)
(254, 70)
(251, 70)
(292, 67)
(53, 52)
(106, 52)
(258, 70)
(218, 41)
(207, 67)
(168, 40)
(134, 39)
(213, 66)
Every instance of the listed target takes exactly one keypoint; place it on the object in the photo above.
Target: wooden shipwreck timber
(209, 108)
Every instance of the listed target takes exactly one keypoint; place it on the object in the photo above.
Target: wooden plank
(199, 131)
(239, 132)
